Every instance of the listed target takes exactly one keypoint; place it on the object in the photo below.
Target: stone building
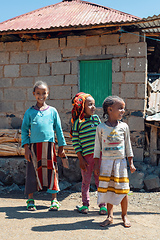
(57, 44)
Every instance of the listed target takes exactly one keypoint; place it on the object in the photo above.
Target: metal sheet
(66, 14)
(155, 117)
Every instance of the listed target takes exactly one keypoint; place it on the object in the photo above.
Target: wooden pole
(153, 145)
(156, 151)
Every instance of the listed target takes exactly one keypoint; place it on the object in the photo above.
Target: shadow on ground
(21, 213)
(79, 225)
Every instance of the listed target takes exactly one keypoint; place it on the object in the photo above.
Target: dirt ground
(67, 223)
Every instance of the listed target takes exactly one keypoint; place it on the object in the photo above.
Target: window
(96, 79)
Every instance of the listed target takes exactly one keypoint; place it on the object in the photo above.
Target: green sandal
(54, 205)
(83, 209)
(30, 205)
(103, 211)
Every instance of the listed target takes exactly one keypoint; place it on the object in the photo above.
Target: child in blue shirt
(39, 125)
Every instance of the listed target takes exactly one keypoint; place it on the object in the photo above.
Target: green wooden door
(96, 79)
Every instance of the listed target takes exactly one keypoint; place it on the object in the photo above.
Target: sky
(139, 8)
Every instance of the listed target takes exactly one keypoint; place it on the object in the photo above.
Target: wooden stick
(156, 151)
(147, 138)
(150, 125)
(153, 145)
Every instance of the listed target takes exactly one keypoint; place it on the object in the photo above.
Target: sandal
(30, 205)
(103, 211)
(107, 222)
(126, 222)
(83, 209)
(54, 205)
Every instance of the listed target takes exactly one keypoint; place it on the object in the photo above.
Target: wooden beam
(150, 27)
(150, 125)
(147, 139)
(117, 27)
(156, 151)
(56, 29)
(153, 145)
(99, 57)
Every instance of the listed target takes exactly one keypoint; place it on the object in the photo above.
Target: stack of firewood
(69, 150)
(10, 143)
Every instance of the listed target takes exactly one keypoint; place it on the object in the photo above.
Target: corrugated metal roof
(149, 24)
(64, 15)
(154, 95)
(155, 117)
(153, 110)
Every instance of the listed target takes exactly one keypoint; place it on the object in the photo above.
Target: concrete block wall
(56, 61)
(130, 82)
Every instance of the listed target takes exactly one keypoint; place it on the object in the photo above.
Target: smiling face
(41, 94)
(89, 106)
(117, 110)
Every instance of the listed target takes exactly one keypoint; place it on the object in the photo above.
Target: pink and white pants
(86, 179)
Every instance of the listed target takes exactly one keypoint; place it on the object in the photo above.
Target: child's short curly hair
(39, 83)
(109, 101)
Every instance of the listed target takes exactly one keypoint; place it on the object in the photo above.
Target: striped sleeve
(75, 137)
(98, 119)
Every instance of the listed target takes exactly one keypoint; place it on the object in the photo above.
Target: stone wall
(12, 175)
(56, 61)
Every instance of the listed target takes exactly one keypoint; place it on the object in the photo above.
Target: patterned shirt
(83, 135)
(114, 142)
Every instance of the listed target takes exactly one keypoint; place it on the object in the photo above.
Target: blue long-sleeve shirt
(40, 126)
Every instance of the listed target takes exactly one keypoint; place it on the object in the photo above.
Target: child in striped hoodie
(84, 123)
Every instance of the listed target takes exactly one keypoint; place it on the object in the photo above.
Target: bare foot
(108, 221)
(126, 221)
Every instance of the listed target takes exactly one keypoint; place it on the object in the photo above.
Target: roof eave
(69, 28)
(134, 23)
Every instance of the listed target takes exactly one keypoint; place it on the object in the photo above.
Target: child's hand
(83, 164)
(28, 153)
(61, 152)
(131, 165)
(132, 168)
(96, 170)
(96, 166)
